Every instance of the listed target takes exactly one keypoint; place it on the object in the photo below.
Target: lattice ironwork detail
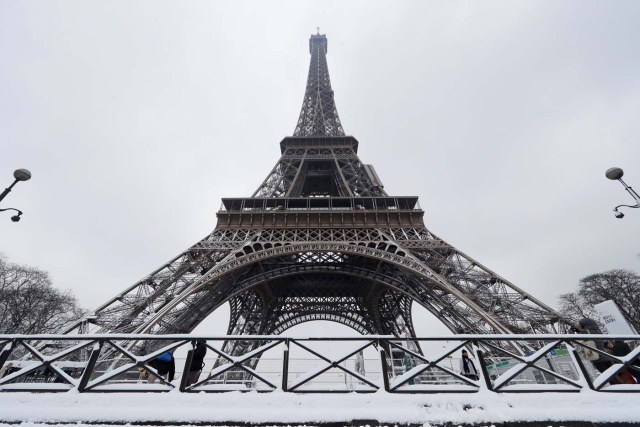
(319, 115)
(313, 173)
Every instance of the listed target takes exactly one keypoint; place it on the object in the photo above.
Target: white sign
(613, 320)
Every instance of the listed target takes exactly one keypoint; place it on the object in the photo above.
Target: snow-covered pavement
(278, 407)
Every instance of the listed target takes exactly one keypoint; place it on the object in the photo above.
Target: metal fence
(504, 363)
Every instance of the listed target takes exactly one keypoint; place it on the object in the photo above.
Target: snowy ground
(423, 409)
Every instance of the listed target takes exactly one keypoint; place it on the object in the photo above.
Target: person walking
(590, 326)
(467, 368)
(197, 362)
(6, 369)
(164, 364)
(631, 375)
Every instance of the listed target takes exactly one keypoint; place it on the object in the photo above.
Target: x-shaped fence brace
(624, 362)
(139, 362)
(416, 371)
(46, 362)
(122, 360)
(330, 364)
(529, 362)
(234, 362)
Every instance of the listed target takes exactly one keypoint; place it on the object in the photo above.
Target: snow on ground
(278, 407)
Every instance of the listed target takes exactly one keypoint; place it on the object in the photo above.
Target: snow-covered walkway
(277, 407)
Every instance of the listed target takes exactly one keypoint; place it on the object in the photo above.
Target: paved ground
(277, 408)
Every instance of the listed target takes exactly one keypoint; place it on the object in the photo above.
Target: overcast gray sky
(136, 118)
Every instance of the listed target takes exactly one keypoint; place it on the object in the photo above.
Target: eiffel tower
(321, 239)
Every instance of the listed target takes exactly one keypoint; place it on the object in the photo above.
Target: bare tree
(30, 304)
(573, 306)
(620, 286)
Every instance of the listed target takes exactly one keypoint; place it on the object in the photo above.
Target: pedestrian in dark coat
(467, 368)
(621, 348)
(588, 326)
(197, 362)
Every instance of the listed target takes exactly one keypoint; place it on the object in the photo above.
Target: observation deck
(306, 142)
(320, 212)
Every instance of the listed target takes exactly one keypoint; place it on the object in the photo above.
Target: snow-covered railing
(502, 363)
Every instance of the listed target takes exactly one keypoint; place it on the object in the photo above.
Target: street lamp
(19, 175)
(14, 218)
(615, 174)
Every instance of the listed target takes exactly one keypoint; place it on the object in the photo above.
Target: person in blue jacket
(164, 364)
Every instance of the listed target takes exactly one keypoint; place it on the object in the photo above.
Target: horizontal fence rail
(497, 363)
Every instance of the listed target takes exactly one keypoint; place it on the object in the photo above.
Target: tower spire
(319, 116)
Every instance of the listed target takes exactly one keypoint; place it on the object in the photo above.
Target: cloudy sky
(136, 118)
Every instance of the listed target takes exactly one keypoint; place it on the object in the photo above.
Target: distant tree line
(620, 286)
(29, 303)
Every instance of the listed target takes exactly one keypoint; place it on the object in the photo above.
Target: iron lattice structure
(319, 116)
(321, 239)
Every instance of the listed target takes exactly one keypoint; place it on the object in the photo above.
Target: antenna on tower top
(318, 30)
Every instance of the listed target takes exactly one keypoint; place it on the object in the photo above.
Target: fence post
(91, 364)
(385, 370)
(285, 366)
(6, 351)
(186, 372)
(483, 368)
(578, 361)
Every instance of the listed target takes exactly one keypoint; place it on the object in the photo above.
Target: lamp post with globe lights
(19, 175)
(615, 174)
